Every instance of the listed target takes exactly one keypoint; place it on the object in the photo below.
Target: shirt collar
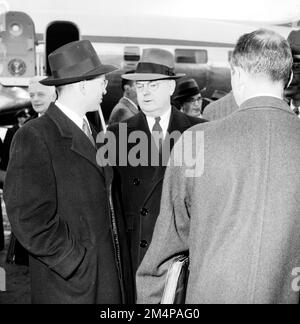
(131, 102)
(264, 94)
(164, 121)
(72, 115)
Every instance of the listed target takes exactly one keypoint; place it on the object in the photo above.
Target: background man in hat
(57, 196)
(240, 218)
(127, 106)
(140, 186)
(293, 90)
(187, 94)
(21, 117)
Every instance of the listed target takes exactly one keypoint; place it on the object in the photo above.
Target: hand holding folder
(176, 281)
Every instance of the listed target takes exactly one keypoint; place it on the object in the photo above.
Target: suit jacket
(58, 202)
(140, 186)
(123, 110)
(239, 216)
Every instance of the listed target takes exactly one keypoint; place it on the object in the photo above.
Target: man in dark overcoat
(140, 183)
(58, 198)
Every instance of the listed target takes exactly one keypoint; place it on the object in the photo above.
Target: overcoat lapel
(79, 142)
(140, 124)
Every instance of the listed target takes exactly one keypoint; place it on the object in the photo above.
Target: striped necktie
(157, 134)
(86, 130)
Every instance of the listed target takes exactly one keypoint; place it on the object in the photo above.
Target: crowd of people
(104, 229)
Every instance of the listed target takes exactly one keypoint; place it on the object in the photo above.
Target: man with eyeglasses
(140, 185)
(188, 96)
(57, 196)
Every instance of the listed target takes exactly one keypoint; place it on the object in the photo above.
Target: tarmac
(17, 277)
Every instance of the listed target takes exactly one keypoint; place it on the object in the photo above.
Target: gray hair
(264, 52)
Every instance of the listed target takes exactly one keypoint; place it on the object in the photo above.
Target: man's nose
(146, 89)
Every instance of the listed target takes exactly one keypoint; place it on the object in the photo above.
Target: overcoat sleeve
(30, 197)
(170, 236)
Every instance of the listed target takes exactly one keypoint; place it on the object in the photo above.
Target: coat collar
(265, 102)
(178, 121)
(124, 101)
(80, 143)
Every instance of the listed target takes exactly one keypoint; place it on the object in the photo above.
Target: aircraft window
(191, 56)
(131, 58)
(131, 53)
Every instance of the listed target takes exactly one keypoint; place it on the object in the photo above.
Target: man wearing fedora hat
(187, 94)
(141, 185)
(58, 198)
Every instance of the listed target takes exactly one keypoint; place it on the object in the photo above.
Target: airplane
(201, 47)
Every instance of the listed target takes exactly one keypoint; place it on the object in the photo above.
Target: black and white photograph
(149, 154)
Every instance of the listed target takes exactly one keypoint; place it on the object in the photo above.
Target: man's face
(154, 96)
(41, 96)
(96, 89)
(193, 106)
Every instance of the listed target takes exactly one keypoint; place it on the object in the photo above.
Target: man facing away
(140, 183)
(237, 209)
(57, 197)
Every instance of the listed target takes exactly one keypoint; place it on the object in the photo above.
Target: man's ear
(126, 88)
(290, 79)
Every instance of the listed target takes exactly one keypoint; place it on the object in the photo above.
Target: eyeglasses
(152, 85)
(195, 100)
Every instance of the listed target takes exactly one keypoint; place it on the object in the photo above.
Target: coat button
(143, 244)
(144, 211)
(136, 181)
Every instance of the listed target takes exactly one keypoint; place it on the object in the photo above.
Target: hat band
(144, 67)
(78, 69)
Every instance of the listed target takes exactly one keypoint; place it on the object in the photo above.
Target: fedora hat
(186, 88)
(155, 64)
(74, 62)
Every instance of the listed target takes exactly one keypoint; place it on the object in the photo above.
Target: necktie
(86, 130)
(157, 134)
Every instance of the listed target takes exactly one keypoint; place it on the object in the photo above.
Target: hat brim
(150, 76)
(103, 69)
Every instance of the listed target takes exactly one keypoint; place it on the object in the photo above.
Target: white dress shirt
(72, 115)
(164, 122)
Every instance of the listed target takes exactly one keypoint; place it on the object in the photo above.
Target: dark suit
(141, 186)
(58, 203)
